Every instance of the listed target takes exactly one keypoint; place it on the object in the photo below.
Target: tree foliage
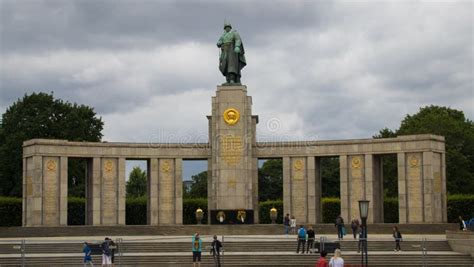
(459, 134)
(40, 115)
(136, 184)
(198, 187)
(270, 180)
(330, 177)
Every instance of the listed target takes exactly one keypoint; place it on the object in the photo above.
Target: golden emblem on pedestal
(166, 167)
(241, 214)
(414, 161)
(108, 166)
(298, 164)
(220, 216)
(51, 165)
(231, 116)
(356, 162)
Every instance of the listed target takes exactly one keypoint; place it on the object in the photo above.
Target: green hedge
(331, 209)
(264, 211)
(76, 214)
(135, 210)
(390, 210)
(189, 209)
(460, 205)
(11, 210)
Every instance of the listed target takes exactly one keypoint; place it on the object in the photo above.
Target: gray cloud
(316, 70)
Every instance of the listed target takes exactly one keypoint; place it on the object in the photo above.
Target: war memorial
(232, 153)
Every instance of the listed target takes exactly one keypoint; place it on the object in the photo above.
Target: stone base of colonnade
(180, 230)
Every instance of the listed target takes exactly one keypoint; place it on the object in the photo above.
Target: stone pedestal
(45, 191)
(233, 170)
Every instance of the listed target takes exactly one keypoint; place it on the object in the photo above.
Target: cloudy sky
(316, 69)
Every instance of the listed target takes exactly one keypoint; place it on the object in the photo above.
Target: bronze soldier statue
(232, 58)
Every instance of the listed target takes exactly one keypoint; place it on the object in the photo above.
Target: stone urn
(199, 215)
(273, 215)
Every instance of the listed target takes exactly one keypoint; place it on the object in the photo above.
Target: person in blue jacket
(87, 255)
(197, 249)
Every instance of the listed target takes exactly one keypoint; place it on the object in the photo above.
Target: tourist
(106, 253)
(286, 223)
(340, 227)
(355, 226)
(322, 262)
(293, 225)
(87, 255)
(361, 239)
(301, 239)
(462, 224)
(337, 260)
(310, 242)
(197, 248)
(398, 237)
(216, 250)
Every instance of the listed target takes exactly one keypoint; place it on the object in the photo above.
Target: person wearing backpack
(398, 237)
(340, 227)
(106, 253)
(301, 239)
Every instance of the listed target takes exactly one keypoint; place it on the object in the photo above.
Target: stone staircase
(245, 251)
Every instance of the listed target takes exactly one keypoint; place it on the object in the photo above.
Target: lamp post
(364, 213)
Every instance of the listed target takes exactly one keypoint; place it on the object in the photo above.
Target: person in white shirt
(336, 261)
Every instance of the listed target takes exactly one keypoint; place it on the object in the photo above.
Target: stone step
(254, 260)
(255, 246)
(255, 229)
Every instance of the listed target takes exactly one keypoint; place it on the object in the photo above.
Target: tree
(136, 184)
(330, 177)
(459, 135)
(198, 187)
(389, 167)
(270, 180)
(39, 115)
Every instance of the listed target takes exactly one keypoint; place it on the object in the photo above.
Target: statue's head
(227, 26)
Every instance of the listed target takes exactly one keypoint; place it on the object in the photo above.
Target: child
(87, 255)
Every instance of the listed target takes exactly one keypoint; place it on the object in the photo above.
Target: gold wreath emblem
(219, 215)
(356, 163)
(414, 161)
(231, 116)
(109, 165)
(241, 214)
(51, 165)
(166, 167)
(298, 164)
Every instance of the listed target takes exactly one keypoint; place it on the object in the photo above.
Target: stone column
(122, 193)
(45, 198)
(152, 192)
(286, 186)
(373, 189)
(232, 138)
(318, 189)
(109, 191)
(33, 185)
(299, 187)
(344, 189)
(433, 187)
(178, 195)
(414, 186)
(169, 187)
(255, 190)
(444, 199)
(63, 191)
(402, 190)
(311, 190)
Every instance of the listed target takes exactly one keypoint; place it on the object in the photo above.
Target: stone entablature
(232, 154)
